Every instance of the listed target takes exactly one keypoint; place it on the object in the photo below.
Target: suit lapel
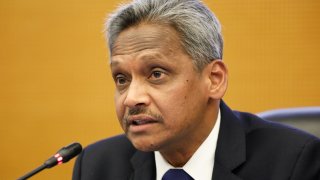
(144, 167)
(230, 152)
(222, 173)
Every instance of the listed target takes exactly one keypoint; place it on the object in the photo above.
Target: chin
(144, 145)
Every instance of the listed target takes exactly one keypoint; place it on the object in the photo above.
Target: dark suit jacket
(248, 148)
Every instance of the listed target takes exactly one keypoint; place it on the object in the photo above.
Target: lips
(137, 122)
(140, 120)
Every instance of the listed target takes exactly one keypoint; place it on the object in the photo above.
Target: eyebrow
(113, 63)
(144, 57)
(155, 56)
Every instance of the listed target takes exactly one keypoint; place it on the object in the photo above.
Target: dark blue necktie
(176, 174)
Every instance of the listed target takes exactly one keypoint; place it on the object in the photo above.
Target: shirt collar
(200, 165)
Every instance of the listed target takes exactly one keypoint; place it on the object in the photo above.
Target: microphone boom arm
(62, 156)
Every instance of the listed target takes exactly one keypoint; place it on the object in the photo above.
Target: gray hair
(198, 27)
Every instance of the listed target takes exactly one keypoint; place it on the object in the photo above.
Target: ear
(217, 75)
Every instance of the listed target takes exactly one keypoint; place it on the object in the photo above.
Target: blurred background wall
(56, 88)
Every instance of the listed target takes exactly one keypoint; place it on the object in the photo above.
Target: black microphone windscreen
(64, 155)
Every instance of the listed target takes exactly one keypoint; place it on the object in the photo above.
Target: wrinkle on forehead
(145, 36)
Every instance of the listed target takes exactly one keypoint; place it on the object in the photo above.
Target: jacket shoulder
(106, 159)
(253, 122)
(286, 151)
(114, 145)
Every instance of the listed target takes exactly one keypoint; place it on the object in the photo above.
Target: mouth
(139, 122)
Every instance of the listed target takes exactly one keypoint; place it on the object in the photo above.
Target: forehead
(146, 37)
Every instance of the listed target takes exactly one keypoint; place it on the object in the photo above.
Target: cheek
(173, 103)
(120, 109)
(184, 101)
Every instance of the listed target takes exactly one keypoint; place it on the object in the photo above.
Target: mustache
(142, 110)
(137, 110)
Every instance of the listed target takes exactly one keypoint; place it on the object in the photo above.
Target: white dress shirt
(200, 165)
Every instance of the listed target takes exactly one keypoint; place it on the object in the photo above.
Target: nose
(137, 95)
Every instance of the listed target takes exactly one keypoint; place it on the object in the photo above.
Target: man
(166, 62)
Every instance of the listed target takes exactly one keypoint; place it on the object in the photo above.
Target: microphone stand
(33, 172)
(62, 156)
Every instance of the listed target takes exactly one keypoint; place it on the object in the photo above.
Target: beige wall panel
(56, 86)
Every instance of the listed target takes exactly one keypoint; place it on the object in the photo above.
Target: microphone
(62, 156)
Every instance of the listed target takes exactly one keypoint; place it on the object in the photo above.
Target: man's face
(160, 98)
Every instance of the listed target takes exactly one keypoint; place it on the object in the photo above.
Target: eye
(157, 75)
(120, 80)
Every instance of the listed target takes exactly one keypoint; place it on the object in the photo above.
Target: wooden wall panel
(56, 86)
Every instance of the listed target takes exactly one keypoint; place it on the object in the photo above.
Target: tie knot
(176, 174)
